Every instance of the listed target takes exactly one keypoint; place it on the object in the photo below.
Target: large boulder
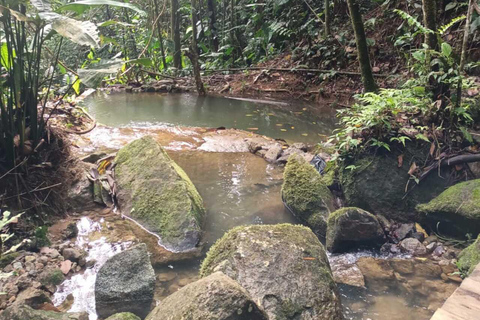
(377, 183)
(215, 297)
(157, 193)
(306, 196)
(469, 258)
(125, 283)
(284, 268)
(350, 228)
(456, 211)
(23, 312)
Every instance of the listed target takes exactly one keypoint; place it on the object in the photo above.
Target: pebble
(17, 265)
(30, 259)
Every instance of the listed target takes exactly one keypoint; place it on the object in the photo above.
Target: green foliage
(380, 119)
(40, 238)
(4, 234)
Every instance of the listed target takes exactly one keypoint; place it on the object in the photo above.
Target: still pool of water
(127, 109)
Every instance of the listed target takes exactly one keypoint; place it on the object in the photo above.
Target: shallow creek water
(147, 109)
(238, 189)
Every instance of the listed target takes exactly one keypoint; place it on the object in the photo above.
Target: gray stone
(214, 297)
(123, 316)
(349, 228)
(72, 254)
(125, 283)
(273, 153)
(283, 267)
(413, 246)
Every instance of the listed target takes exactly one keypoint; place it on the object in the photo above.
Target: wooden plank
(464, 303)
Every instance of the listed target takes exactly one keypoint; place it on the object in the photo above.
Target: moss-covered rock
(455, 211)
(349, 228)
(23, 312)
(157, 193)
(377, 183)
(283, 267)
(6, 259)
(51, 277)
(214, 297)
(469, 258)
(306, 195)
(123, 316)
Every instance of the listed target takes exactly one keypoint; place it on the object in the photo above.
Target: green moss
(52, 277)
(300, 235)
(40, 238)
(6, 259)
(289, 310)
(469, 258)
(305, 193)
(123, 316)
(161, 196)
(461, 199)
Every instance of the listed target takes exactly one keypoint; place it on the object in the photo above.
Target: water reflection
(147, 109)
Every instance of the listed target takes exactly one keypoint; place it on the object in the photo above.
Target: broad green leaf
(147, 62)
(5, 57)
(82, 5)
(446, 49)
(93, 76)
(80, 32)
(76, 86)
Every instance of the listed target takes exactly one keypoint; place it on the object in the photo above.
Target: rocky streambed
(269, 269)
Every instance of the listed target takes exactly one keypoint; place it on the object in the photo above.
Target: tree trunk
(430, 21)
(212, 18)
(177, 45)
(160, 37)
(463, 56)
(193, 54)
(328, 18)
(362, 48)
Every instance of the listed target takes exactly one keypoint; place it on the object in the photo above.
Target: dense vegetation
(52, 51)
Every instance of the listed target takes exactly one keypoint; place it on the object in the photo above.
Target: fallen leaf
(400, 160)
(304, 109)
(304, 134)
(432, 149)
(253, 129)
(309, 258)
(249, 115)
(283, 130)
(292, 128)
(412, 169)
(279, 125)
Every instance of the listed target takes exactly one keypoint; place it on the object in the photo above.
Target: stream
(238, 188)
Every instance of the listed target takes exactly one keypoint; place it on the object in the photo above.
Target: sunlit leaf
(82, 5)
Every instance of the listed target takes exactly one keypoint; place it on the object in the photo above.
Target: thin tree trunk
(463, 56)
(328, 18)
(362, 48)
(193, 54)
(430, 21)
(212, 18)
(177, 45)
(131, 43)
(160, 37)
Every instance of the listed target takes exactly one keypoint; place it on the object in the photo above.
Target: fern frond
(447, 26)
(413, 21)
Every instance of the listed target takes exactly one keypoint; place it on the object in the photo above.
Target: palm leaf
(82, 5)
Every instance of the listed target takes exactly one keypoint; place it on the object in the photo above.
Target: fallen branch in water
(347, 73)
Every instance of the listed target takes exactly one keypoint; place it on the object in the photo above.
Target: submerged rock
(125, 283)
(283, 267)
(469, 257)
(157, 193)
(413, 246)
(214, 297)
(306, 196)
(456, 210)
(378, 183)
(349, 228)
(23, 312)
